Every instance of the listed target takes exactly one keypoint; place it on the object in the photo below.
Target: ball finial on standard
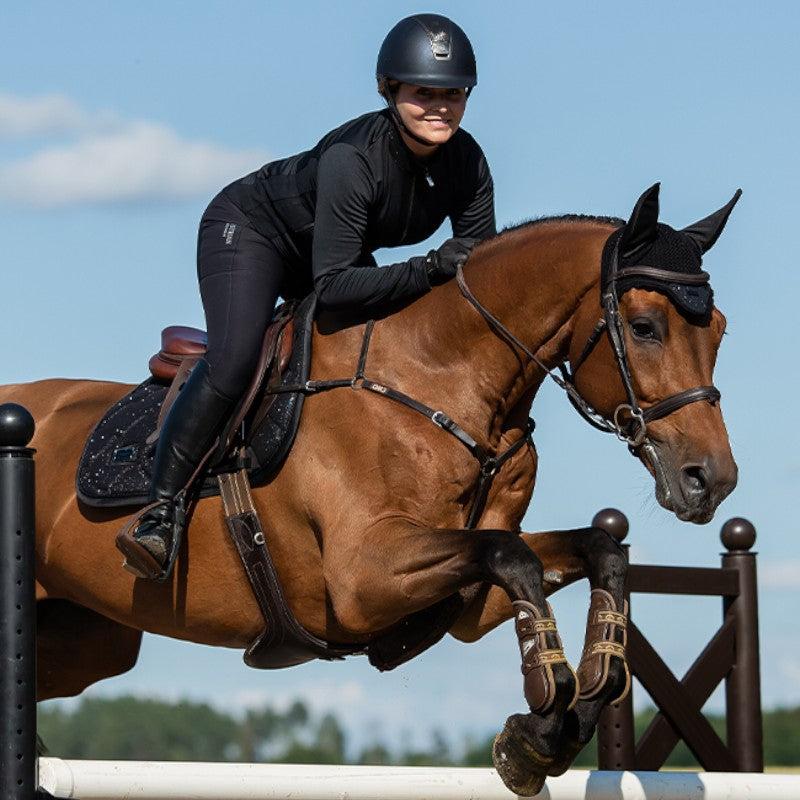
(738, 534)
(16, 425)
(613, 522)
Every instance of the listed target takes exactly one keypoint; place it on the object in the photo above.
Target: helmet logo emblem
(440, 45)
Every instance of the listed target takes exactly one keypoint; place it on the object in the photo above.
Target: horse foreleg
(422, 567)
(567, 556)
(75, 647)
(603, 674)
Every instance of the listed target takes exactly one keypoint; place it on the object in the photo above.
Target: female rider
(311, 223)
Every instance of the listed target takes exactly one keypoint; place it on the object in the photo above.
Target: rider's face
(432, 114)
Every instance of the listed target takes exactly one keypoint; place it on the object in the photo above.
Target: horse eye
(643, 329)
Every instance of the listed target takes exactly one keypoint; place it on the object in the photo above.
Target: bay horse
(366, 519)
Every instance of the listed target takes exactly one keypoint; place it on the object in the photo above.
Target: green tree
(437, 754)
(478, 753)
(376, 754)
(782, 737)
(327, 746)
(132, 728)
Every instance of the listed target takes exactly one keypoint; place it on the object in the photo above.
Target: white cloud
(107, 160)
(48, 115)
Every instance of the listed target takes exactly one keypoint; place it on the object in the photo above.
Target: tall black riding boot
(192, 424)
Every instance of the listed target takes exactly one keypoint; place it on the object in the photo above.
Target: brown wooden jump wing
(731, 655)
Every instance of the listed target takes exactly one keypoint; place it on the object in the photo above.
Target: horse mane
(615, 222)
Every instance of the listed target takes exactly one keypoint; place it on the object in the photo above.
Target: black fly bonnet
(647, 254)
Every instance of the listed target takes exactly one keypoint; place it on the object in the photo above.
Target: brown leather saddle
(182, 347)
(115, 467)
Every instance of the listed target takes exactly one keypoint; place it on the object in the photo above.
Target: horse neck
(531, 279)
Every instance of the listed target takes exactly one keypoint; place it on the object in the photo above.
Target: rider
(312, 222)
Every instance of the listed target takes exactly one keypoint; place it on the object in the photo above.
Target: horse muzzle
(693, 488)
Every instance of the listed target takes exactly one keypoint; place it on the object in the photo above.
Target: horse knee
(605, 560)
(509, 563)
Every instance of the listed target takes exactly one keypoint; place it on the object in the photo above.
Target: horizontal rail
(652, 579)
(165, 780)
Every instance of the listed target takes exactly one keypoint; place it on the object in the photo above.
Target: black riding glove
(442, 264)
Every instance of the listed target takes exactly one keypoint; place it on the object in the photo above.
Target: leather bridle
(630, 419)
(629, 422)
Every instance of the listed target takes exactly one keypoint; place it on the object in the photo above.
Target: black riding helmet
(428, 50)
(425, 50)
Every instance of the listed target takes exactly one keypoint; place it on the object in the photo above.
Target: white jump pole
(170, 780)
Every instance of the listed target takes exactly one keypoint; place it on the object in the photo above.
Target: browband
(642, 270)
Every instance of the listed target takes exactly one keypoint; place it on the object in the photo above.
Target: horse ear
(641, 229)
(706, 232)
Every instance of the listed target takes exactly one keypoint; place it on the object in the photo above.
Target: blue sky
(119, 121)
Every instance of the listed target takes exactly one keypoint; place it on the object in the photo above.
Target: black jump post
(18, 778)
(732, 656)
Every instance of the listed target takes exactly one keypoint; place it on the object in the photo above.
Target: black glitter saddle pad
(117, 460)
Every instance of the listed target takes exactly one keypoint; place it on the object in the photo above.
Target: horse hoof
(568, 752)
(522, 769)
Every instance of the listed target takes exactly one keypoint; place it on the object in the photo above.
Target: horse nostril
(695, 480)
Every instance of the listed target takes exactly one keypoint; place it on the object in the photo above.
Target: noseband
(630, 420)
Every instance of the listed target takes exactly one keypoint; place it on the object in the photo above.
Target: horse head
(652, 374)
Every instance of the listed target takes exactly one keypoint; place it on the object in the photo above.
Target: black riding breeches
(240, 274)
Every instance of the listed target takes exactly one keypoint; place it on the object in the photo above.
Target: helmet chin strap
(400, 124)
(390, 101)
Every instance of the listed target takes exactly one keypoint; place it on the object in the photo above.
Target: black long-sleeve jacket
(360, 189)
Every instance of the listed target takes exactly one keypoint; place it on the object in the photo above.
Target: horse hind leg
(77, 647)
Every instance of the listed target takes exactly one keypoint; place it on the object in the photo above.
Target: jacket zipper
(429, 181)
(410, 207)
